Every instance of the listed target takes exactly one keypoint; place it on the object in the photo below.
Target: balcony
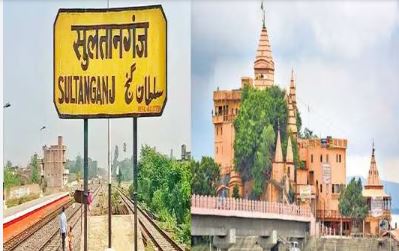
(217, 119)
(329, 214)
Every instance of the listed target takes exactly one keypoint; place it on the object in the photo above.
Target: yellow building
(379, 203)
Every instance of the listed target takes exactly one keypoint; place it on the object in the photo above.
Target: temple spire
(290, 156)
(292, 78)
(373, 179)
(264, 64)
(279, 153)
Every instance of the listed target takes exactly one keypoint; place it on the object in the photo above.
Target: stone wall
(22, 191)
(351, 244)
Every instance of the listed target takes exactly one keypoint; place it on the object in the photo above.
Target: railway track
(73, 220)
(152, 231)
(36, 237)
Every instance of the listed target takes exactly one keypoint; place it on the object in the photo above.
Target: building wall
(53, 165)
(226, 105)
(21, 191)
(316, 156)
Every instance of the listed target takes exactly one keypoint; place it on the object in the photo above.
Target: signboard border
(103, 115)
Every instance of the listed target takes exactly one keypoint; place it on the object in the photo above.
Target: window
(311, 158)
(340, 158)
(327, 158)
(321, 158)
(321, 188)
(332, 187)
(221, 130)
(311, 178)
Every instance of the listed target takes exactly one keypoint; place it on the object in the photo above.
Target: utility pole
(109, 187)
(135, 170)
(109, 182)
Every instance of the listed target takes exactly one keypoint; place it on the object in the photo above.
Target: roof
(374, 193)
(289, 157)
(373, 178)
(278, 157)
(264, 58)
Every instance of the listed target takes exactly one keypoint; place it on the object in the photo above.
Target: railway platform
(19, 218)
(122, 233)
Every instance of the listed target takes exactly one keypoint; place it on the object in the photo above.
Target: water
(395, 218)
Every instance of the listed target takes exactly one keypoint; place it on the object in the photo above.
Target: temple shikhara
(378, 202)
(320, 178)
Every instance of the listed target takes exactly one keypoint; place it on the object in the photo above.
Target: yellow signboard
(110, 62)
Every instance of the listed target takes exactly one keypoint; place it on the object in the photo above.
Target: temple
(226, 106)
(378, 202)
(319, 173)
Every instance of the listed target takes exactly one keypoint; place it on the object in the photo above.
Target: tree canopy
(76, 166)
(205, 176)
(260, 114)
(351, 201)
(34, 165)
(10, 177)
(165, 187)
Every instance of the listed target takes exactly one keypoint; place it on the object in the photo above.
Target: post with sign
(110, 63)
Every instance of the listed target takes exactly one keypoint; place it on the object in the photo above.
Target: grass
(19, 201)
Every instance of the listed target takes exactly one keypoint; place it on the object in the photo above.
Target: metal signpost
(110, 63)
(109, 186)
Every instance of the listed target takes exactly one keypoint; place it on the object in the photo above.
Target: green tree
(8, 164)
(10, 177)
(164, 185)
(34, 165)
(308, 134)
(115, 163)
(205, 176)
(253, 146)
(119, 176)
(352, 203)
(236, 192)
(263, 161)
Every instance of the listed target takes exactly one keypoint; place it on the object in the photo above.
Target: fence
(223, 203)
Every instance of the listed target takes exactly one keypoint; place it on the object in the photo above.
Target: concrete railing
(222, 203)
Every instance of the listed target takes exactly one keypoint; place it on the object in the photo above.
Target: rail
(232, 204)
(17, 240)
(160, 239)
(55, 235)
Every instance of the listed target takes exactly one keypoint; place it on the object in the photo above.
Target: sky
(28, 86)
(345, 56)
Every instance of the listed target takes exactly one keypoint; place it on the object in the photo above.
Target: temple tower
(264, 64)
(378, 202)
(373, 179)
(278, 172)
(289, 162)
(292, 108)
